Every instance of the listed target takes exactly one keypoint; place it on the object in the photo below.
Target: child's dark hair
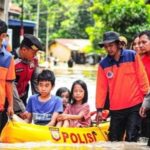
(62, 90)
(3, 27)
(84, 86)
(47, 75)
(134, 37)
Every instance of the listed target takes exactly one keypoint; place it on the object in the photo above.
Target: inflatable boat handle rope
(10, 119)
(102, 132)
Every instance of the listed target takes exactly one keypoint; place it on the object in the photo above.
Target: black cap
(32, 42)
(109, 37)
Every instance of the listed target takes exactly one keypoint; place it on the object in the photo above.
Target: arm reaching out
(145, 105)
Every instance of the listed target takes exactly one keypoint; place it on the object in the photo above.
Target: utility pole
(21, 20)
(6, 10)
(37, 20)
(47, 33)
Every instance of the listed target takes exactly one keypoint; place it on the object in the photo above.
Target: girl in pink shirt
(77, 113)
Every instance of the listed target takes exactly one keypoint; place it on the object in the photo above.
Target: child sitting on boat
(64, 93)
(43, 108)
(77, 113)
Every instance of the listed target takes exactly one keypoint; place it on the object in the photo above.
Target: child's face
(65, 97)
(78, 93)
(45, 88)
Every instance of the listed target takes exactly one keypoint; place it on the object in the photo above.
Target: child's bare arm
(69, 117)
(53, 120)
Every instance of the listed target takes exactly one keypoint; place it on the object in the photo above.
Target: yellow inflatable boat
(15, 132)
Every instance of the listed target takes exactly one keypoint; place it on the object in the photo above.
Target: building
(4, 6)
(64, 49)
(11, 13)
(15, 24)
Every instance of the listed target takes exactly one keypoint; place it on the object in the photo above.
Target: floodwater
(65, 77)
(93, 146)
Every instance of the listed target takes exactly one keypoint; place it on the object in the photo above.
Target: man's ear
(22, 52)
(2, 35)
(53, 86)
(119, 45)
(23, 49)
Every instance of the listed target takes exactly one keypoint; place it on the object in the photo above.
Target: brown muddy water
(93, 146)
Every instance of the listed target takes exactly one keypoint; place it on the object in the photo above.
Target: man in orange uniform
(121, 73)
(7, 75)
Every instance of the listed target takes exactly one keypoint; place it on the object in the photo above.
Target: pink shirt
(75, 110)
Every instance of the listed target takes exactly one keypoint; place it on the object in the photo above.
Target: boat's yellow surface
(15, 132)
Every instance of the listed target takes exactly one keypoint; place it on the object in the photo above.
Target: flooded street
(65, 77)
(93, 146)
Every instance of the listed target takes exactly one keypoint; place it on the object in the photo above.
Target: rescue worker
(122, 74)
(124, 42)
(144, 45)
(26, 68)
(7, 75)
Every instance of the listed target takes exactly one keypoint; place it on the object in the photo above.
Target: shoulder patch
(19, 70)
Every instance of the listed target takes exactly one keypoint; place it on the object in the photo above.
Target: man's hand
(99, 117)
(10, 111)
(23, 115)
(142, 111)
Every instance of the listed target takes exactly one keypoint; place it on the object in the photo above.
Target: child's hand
(62, 117)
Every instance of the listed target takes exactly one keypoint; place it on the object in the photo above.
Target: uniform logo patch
(109, 74)
(34, 47)
(19, 70)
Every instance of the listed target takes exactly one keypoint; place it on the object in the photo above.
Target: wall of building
(60, 52)
(2, 9)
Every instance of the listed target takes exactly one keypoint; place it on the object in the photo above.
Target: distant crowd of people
(123, 79)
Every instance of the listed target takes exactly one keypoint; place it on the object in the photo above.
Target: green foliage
(88, 19)
(64, 19)
(73, 22)
(126, 17)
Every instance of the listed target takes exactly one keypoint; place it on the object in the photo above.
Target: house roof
(73, 44)
(16, 22)
(14, 8)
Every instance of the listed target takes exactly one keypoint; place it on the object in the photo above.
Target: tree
(65, 19)
(125, 16)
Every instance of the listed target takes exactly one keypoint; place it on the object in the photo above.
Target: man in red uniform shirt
(121, 73)
(144, 44)
(26, 68)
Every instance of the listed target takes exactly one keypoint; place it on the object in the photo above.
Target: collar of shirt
(23, 60)
(111, 59)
